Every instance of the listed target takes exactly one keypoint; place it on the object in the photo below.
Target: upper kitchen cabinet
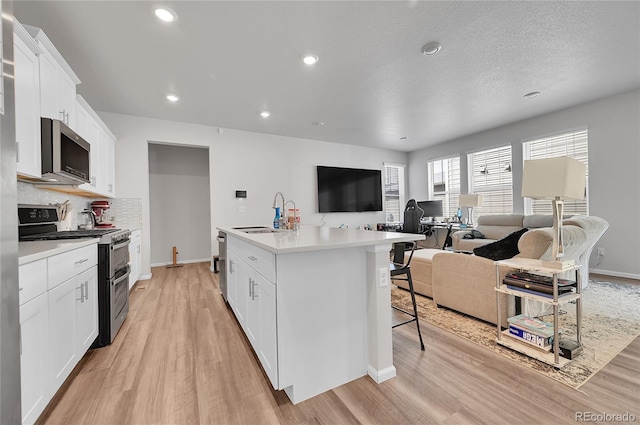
(57, 82)
(27, 102)
(102, 154)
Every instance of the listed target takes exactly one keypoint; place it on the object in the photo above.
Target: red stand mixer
(102, 219)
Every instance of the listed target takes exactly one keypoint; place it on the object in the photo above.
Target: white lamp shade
(470, 200)
(550, 178)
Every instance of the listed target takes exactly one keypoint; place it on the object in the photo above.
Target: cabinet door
(27, 109)
(252, 329)
(88, 129)
(87, 310)
(108, 163)
(268, 346)
(49, 86)
(67, 98)
(242, 293)
(62, 330)
(232, 273)
(34, 358)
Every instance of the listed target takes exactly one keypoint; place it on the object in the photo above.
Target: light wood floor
(181, 358)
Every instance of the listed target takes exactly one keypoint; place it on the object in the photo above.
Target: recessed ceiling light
(317, 123)
(265, 114)
(173, 98)
(532, 94)
(310, 59)
(165, 14)
(431, 48)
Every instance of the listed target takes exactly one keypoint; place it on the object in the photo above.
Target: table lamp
(555, 179)
(470, 201)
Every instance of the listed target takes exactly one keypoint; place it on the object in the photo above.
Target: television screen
(349, 189)
(431, 208)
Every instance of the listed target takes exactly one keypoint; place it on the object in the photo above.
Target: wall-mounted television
(431, 208)
(349, 189)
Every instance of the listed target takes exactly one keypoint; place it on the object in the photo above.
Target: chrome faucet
(275, 205)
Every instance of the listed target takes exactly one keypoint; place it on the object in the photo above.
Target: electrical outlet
(383, 277)
(601, 252)
(242, 208)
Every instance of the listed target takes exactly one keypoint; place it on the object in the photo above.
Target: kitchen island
(314, 303)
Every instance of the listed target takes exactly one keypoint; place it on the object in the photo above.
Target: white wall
(614, 169)
(258, 163)
(179, 198)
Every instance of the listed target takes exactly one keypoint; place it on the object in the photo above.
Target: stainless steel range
(38, 223)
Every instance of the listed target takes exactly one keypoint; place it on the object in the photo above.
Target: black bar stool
(400, 267)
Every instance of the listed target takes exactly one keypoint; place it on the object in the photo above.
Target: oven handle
(121, 278)
(120, 245)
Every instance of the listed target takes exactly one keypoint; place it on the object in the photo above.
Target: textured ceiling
(230, 60)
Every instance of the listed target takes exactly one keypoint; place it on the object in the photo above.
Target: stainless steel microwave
(65, 155)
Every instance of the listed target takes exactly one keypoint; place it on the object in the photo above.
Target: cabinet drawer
(68, 264)
(261, 260)
(32, 280)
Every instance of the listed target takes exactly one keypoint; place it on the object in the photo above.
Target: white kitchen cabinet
(268, 347)
(62, 330)
(232, 269)
(57, 81)
(27, 103)
(88, 130)
(252, 318)
(255, 301)
(102, 155)
(34, 358)
(135, 256)
(87, 310)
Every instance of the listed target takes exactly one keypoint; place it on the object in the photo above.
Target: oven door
(118, 257)
(119, 291)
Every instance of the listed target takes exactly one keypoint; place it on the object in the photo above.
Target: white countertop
(36, 250)
(313, 238)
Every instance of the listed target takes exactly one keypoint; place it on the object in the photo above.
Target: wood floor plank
(182, 358)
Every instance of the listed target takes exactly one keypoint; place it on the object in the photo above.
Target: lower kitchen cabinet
(58, 323)
(62, 335)
(34, 358)
(255, 307)
(268, 347)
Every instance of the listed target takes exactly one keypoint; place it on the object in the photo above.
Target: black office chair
(412, 215)
(400, 267)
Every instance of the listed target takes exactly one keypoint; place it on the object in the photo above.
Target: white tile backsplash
(126, 212)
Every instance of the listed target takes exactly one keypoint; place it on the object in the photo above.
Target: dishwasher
(222, 263)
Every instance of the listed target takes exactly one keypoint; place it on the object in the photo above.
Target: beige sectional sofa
(465, 282)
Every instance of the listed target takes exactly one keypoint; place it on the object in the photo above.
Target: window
(444, 178)
(393, 192)
(572, 144)
(490, 175)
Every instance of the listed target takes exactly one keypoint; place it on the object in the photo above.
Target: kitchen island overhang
(315, 304)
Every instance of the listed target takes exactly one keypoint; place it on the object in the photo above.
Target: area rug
(610, 321)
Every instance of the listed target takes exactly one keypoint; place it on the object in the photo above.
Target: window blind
(445, 183)
(490, 175)
(572, 144)
(393, 192)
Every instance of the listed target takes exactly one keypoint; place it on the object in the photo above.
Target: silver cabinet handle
(82, 261)
(254, 294)
(20, 289)
(231, 270)
(252, 258)
(86, 290)
(250, 288)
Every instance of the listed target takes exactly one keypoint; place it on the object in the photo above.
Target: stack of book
(531, 331)
(537, 284)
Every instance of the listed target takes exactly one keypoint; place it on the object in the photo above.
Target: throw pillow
(506, 247)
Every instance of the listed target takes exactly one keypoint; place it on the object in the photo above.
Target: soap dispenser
(276, 220)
